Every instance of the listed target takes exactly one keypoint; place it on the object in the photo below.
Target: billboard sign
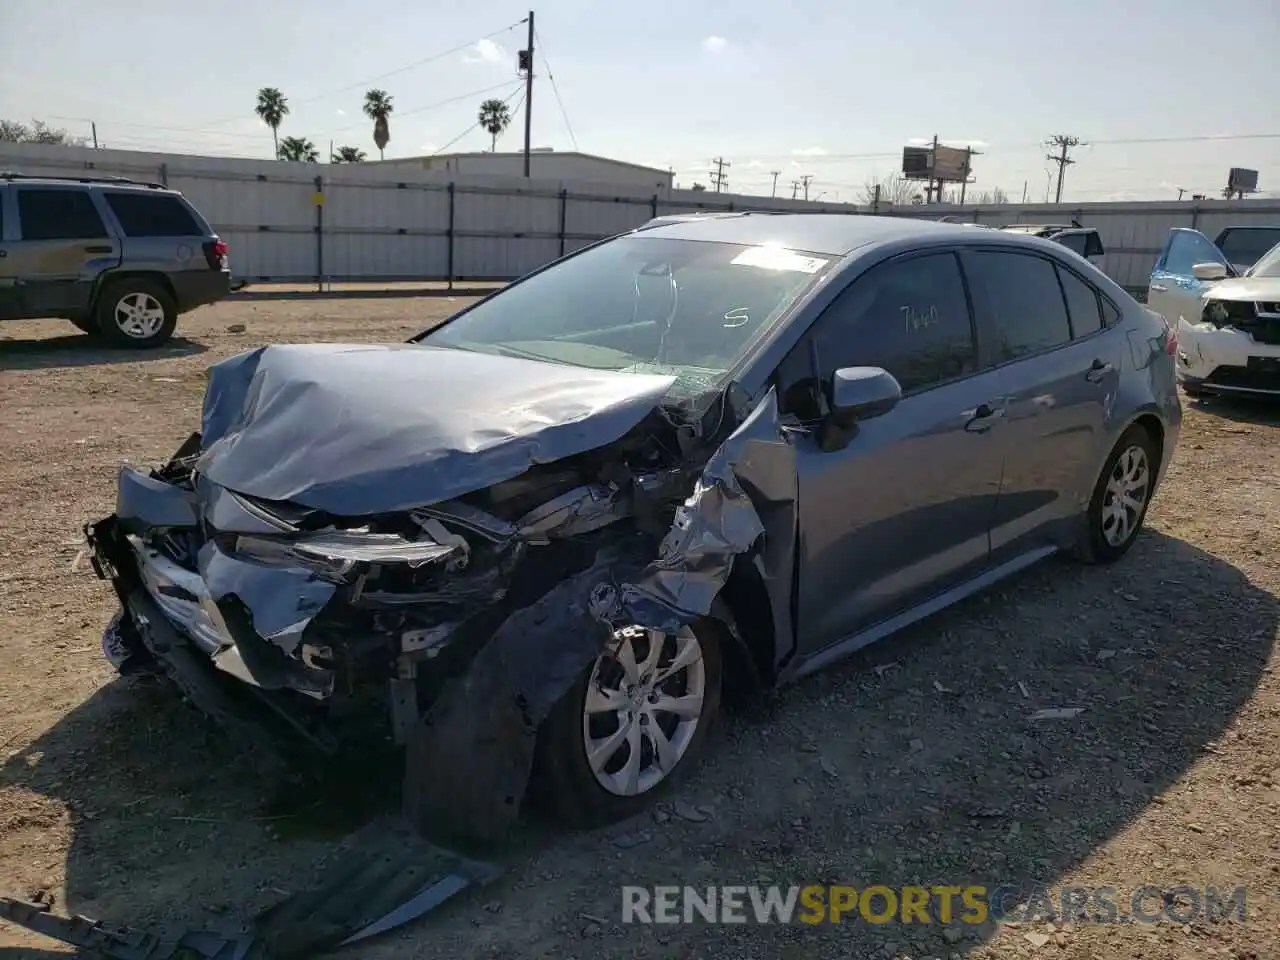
(1241, 180)
(943, 163)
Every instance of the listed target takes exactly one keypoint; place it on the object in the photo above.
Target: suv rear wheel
(136, 312)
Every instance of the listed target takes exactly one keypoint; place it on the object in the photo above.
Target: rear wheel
(1120, 498)
(136, 312)
(637, 717)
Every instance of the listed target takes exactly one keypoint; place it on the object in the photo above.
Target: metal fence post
(564, 215)
(449, 233)
(1195, 216)
(653, 207)
(164, 174)
(318, 199)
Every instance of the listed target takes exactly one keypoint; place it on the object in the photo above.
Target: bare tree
(992, 197)
(894, 189)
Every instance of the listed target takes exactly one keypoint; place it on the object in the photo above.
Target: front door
(62, 247)
(903, 511)
(1042, 327)
(1174, 292)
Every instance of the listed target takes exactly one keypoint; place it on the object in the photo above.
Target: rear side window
(59, 215)
(152, 215)
(1074, 242)
(1246, 247)
(908, 316)
(1018, 302)
(1082, 304)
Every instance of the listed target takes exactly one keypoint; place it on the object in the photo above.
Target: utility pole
(526, 61)
(1181, 191)
(795, 188)
(774, 174)
(1024, 191)
(718, 176)
(969, 154)
(94, 127)
(806, 180)
(1063, 142)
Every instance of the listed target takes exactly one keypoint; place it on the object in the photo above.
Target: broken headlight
(1228, 313)
(332, 554)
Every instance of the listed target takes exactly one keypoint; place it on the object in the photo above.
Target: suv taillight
(215, 251)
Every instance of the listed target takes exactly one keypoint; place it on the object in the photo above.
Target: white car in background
(1228, 325)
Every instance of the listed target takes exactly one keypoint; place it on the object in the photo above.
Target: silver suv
(118, 258)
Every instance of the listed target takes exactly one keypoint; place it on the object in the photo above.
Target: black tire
(1094, 545)
(111, 320)
(563, 784)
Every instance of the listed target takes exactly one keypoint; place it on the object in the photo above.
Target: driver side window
(1186, 249)
(909, 316)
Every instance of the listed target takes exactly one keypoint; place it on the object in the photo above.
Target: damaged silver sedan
(533, 546)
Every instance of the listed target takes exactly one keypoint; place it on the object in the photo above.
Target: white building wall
(390, 222)
(543, 165)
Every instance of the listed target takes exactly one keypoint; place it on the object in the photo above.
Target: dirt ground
(915, 762)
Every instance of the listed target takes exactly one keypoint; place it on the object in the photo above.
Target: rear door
(62, 246)
(1174, 292)
(1041, 326)
(10, 302)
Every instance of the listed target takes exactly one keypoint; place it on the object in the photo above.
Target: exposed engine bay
(450, 626)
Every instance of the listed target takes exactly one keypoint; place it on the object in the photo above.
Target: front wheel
(637, 717)
(136, 313)
(1120, 498)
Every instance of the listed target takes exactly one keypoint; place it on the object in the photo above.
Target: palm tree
(377, 107)
(495, 117)
(347, 155)
(272, 108)
(299, 149)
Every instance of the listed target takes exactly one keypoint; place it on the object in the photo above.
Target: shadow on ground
(81, 350)
(1262, 410)
(928, 773)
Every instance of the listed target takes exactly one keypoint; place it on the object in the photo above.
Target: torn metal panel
(359, 430)
(144, 502)
(387, 879)
(747, 490)
(483, 726)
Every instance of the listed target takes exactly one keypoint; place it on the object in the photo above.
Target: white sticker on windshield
(779, 258)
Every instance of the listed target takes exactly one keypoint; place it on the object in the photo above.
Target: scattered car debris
(389, 878)
(882, 668)
(1058, 713)
(1106, 654)
(828, 768)
(1023, 688)
(628, 841)
(236, 328)
(688, 812)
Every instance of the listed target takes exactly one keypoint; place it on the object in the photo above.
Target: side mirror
(1209, 271)
(857, 394)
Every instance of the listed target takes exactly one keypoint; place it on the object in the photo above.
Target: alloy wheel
(643, 705)
(138, 315)
(1125, 495)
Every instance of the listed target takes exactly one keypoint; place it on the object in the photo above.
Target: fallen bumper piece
(380, 885)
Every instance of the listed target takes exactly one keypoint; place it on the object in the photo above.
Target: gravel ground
(915, 762)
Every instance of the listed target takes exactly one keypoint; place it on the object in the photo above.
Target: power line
(506, 99)
(432, 106)
(556, 90)
(805, 181)
(1063, 142)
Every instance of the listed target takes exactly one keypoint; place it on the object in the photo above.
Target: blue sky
(826, 88)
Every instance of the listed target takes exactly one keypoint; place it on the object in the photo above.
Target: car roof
(831, 233)
(115, 183)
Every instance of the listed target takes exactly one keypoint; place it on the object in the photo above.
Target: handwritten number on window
(914, 319)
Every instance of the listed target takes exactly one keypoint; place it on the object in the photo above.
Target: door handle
(1097, 370)
(99, 248)
(1159, 288)
(3, 254)
(982, 418)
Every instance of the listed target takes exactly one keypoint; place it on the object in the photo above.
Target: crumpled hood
(1245, 288)
(361, 429)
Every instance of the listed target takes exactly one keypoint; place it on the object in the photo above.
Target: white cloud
(756, 163)
(809, 152)
(715, 44)
(486, 51)
(340, 112)
(427, 147)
